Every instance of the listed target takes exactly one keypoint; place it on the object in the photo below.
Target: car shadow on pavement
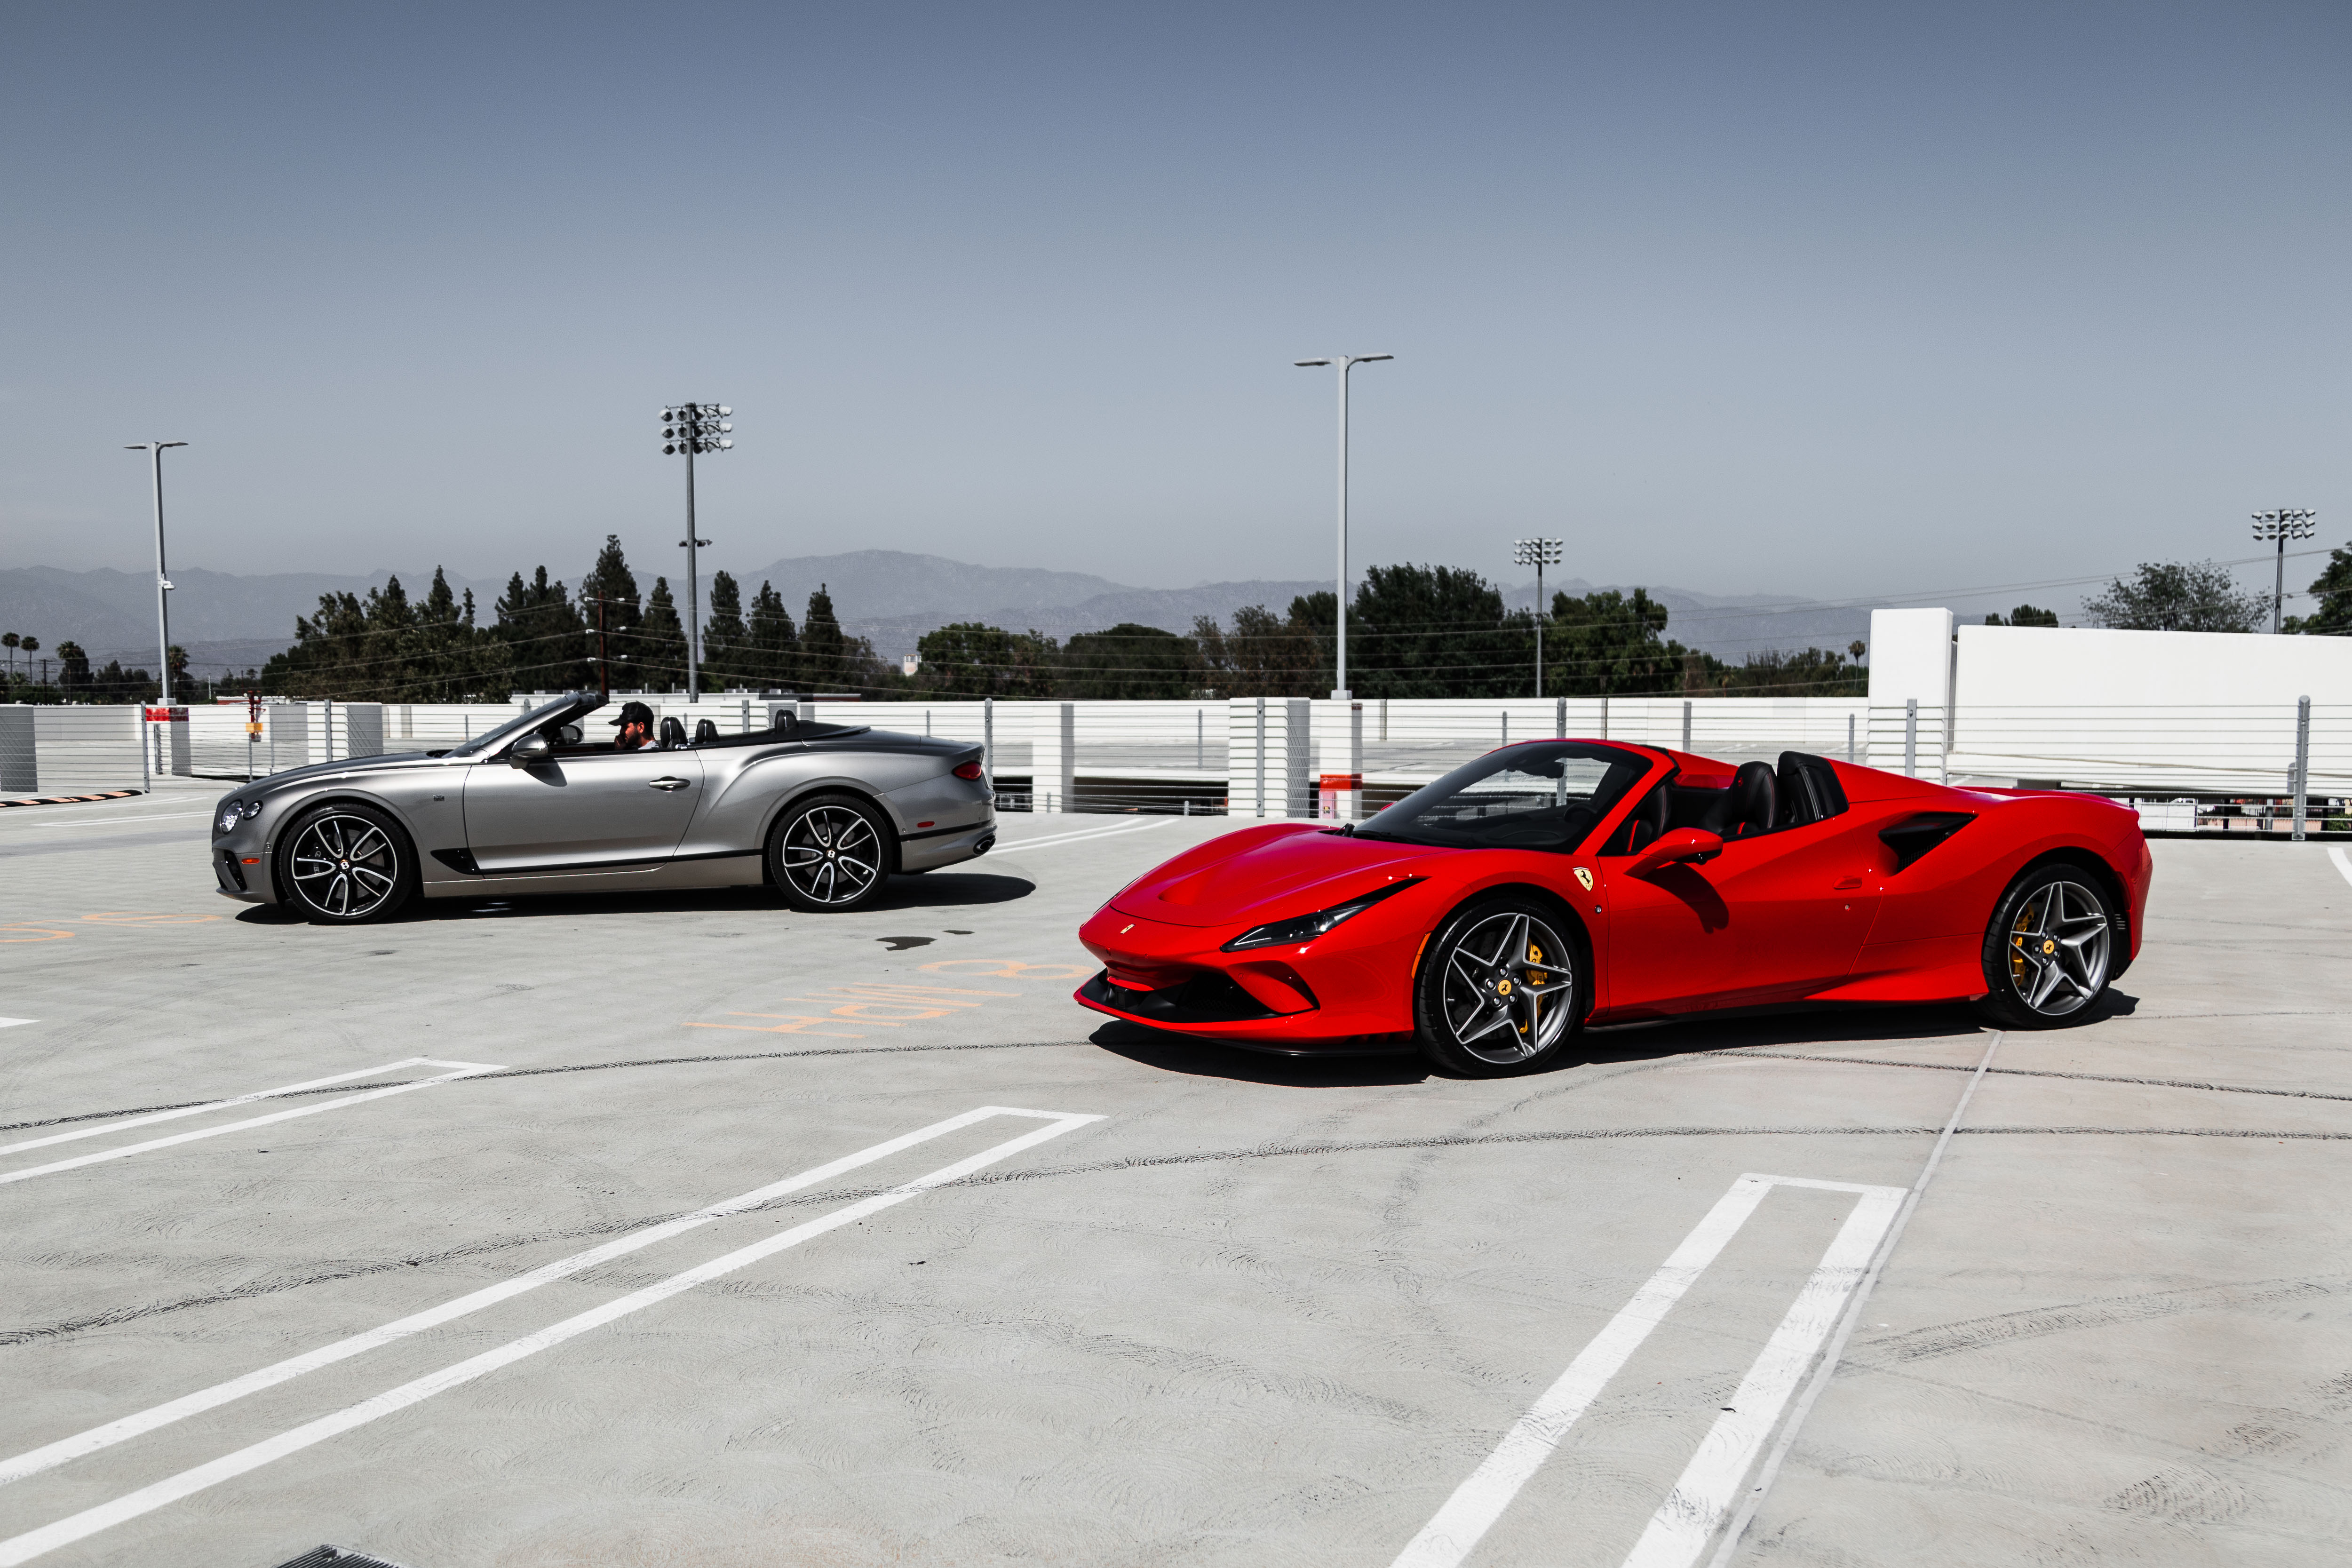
(1172, 1052)
(937, 890)
(1825, 1028)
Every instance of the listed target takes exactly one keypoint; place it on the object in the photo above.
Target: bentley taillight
(967, 770)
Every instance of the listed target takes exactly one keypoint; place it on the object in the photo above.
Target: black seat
(673, 735)
(704, 730)
(1755, 801)
(1647, 821)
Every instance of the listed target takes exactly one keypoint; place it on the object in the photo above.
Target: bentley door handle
(666, 784)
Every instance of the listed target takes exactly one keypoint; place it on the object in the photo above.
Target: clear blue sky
(1813, 300)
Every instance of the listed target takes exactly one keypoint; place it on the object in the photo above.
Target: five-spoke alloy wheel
(345, 865)
(1501, 990)
(829, 852)
(2049, 951)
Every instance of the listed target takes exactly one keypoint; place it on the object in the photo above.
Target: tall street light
(2287, 522)
(1345, 363)
(1537, 553)
(692, 427)
(162, 580)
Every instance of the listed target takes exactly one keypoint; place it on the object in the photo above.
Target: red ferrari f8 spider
(1489, 915)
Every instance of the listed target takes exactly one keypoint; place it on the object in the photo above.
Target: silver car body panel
(587, 820)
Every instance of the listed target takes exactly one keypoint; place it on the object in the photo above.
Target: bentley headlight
(1307, 928)
(230, 816)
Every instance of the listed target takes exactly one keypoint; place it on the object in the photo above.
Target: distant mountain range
(234, 621)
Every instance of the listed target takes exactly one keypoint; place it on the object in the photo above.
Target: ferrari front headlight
(1307, 928)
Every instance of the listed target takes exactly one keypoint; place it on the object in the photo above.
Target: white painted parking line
(1480, 1500)
(90, 1522)
(1009, 844)
(2343, 861)
(458, 1071)
(10, 1024)
(1701, 1499)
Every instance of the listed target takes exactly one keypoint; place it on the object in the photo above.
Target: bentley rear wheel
(830, 853)
(2049, 951)
(346, 865)
(1501, 988)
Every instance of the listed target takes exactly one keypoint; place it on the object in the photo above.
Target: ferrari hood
(1271, 877)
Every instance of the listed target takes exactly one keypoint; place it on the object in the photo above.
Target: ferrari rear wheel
(1501, 988)
(830, 853)
(2049, 951)
(346, 865)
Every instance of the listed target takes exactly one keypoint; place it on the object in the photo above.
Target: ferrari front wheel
(2049, 951)
(1501, 990)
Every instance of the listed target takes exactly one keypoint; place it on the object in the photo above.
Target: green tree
(1130, 662)
(970, 659)
(2332, 589)
(1606, 645)
(2176, 597)
(545, 646)
(824, 652)
(661, 637)
(1813, 672)
(725, 638)
(1437, 631)
(2024, 615)
(771, 660)
(1265, 655)
(610, 591)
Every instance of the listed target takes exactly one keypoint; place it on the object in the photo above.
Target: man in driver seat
(636, 728)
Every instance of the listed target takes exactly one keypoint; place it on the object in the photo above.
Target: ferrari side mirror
(530, 750)
(1693, 846)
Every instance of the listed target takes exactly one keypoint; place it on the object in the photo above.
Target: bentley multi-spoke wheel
(1500, 989)
(831, 853)
(2049, 951)
(345, 865)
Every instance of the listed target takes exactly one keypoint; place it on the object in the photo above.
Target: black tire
(2049, 950)
(830, 854)
(346, 865)
(1474, 1011)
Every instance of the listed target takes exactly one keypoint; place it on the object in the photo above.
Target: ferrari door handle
(1850, 882)
(666, 784)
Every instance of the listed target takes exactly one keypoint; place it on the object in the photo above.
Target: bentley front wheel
(346, 865)
(1501, 988)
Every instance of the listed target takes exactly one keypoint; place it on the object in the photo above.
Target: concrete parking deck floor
(1260, 1312)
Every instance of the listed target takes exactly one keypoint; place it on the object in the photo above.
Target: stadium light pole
(689, 428)
(1537, 553)
(1345, 363)
(163, 579)
(2287, 522)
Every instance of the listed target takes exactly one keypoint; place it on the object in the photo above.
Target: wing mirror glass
(1691, 846)
(530, 750)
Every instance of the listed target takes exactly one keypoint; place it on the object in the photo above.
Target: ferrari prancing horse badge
(1584, 877)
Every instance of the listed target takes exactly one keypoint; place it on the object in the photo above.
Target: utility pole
(163, 579)
(692, 427)
(2287, 522)
(1346, 363)
(1537, 553)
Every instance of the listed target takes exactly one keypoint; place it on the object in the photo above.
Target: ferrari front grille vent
(1915, 835)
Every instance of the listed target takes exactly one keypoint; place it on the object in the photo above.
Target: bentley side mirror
(532, 748)
(1691, 846)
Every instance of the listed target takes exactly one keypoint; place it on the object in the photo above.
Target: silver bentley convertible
(824, 813)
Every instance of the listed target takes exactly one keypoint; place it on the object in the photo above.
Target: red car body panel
(1821, 912)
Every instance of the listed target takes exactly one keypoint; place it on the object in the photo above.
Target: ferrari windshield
(489, 740)
(1546, 795)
